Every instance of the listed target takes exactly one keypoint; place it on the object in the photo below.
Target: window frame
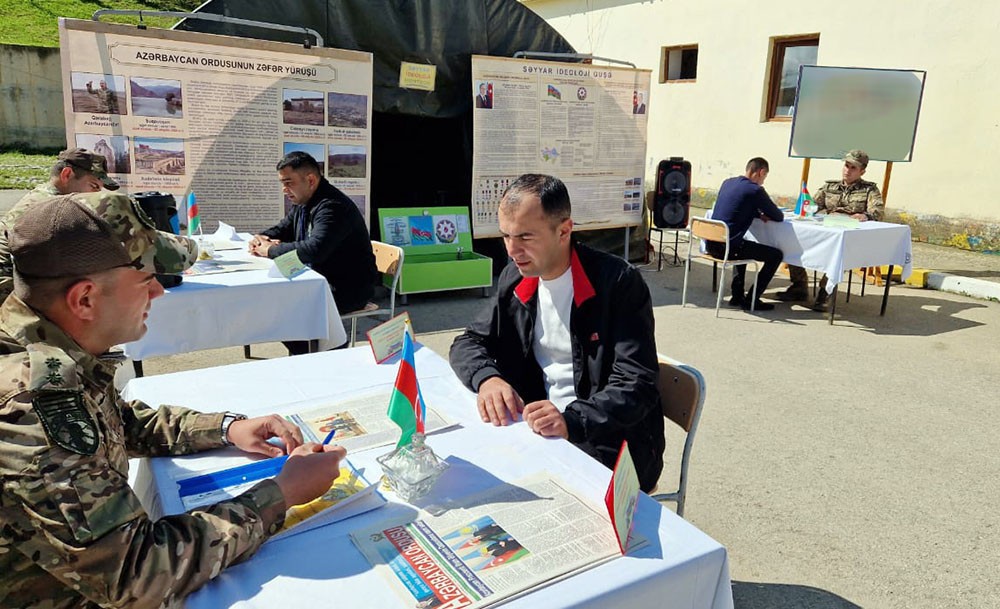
(665, 59)
(778, 47)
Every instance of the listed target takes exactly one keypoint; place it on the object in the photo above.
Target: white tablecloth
(680, 568)
(834, 250)
(240, 308)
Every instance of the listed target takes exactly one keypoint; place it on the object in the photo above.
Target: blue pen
(329, 436)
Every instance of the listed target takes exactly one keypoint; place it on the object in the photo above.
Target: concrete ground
(852, 465)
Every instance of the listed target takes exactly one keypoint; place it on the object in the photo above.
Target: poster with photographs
(582, 123)
(181, 112)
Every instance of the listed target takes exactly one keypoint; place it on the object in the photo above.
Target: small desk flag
(805, 200)
(406, 406)
(194, 220)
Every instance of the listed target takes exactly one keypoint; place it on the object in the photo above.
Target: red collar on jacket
(583, 290)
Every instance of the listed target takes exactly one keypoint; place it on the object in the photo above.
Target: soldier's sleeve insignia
(51, 368)
(66, 420)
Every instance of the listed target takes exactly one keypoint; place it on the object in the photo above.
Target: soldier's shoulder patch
(51, 368)
(66, 420)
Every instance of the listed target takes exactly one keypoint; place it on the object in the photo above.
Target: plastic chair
(388, 261)
(682, 395)
(716, 230)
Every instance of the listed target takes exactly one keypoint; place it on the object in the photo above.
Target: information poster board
(181, 112)
(840, 109)
(584, 124)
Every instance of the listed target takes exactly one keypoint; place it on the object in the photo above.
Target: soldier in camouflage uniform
(77, 170)
(72, 532)
(105, 96)
(850, 196)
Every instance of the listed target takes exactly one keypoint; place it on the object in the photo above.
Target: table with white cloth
(680, 567)
(835, 249)
(239, 308)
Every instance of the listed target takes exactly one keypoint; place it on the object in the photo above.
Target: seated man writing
(567, 341)
(326, 230)
(740, 200)
(73, 533)
(850, 196)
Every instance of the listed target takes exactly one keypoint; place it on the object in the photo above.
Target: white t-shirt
(552, 345)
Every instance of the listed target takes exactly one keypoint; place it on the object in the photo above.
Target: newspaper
(491, 546)
(350, 494)
(361, 421)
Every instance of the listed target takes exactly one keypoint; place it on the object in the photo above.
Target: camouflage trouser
(800, 281)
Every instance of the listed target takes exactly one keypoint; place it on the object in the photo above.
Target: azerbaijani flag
(805, 200)
(194, 220)
(406, 406)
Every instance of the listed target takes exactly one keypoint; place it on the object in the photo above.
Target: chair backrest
(389, 261)
(710, 230)
(681, 392)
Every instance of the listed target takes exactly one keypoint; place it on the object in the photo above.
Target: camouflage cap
(82, 158)
(79, 234)
(857, 157)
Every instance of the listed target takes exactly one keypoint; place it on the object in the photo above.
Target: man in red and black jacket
(567, 342)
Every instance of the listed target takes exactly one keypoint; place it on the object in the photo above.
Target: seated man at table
(850, 196)
(326, 230)
(567, 341)
(76, 170)
(74, 534)
(740, 200)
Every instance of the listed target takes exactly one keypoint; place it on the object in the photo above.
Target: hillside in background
(36, 23)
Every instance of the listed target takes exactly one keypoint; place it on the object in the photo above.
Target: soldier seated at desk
(851, 196)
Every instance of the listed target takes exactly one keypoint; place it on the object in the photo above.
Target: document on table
(350, 494)
(491, 546)
(211, 267)
(360, 420)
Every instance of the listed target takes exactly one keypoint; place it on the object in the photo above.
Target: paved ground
(852, 465)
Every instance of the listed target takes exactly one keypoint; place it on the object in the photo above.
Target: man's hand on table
(252, 435)
(309, 472)
(545, 419)
(498, 402)
(861, 217)
(260, 244)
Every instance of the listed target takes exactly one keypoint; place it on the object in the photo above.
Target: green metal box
(437, 249)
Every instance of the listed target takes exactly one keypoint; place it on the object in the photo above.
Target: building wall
(717, 121)
(31, 102)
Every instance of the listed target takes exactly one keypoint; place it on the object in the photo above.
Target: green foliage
(19, 171)
(36, 23)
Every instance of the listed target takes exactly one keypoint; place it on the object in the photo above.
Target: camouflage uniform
(73, 532)
(835, 197)
(861, 197)
(107, 97)
(41, 192)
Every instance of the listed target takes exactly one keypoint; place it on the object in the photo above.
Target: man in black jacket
(326, 230)
(567, 342)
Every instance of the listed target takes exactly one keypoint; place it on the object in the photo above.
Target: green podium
(437, 250)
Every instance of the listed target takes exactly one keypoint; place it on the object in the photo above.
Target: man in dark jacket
(326, 230)
(567, 342)
(740, 200)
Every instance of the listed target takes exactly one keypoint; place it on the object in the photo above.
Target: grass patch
(19, 171)
(36, 23)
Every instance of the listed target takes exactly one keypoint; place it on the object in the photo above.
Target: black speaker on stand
(671, 202)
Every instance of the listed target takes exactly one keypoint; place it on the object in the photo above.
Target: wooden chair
(715, 230)
(682, 395)
(388, 261)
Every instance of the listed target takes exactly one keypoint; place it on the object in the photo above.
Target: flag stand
(411, 470)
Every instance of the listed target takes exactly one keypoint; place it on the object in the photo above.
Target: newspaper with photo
(360, 420)
(491, 546)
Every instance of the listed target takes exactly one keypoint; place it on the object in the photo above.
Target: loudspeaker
(672, 203)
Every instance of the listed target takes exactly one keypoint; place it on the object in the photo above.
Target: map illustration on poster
(180, 112)
(582, 123)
